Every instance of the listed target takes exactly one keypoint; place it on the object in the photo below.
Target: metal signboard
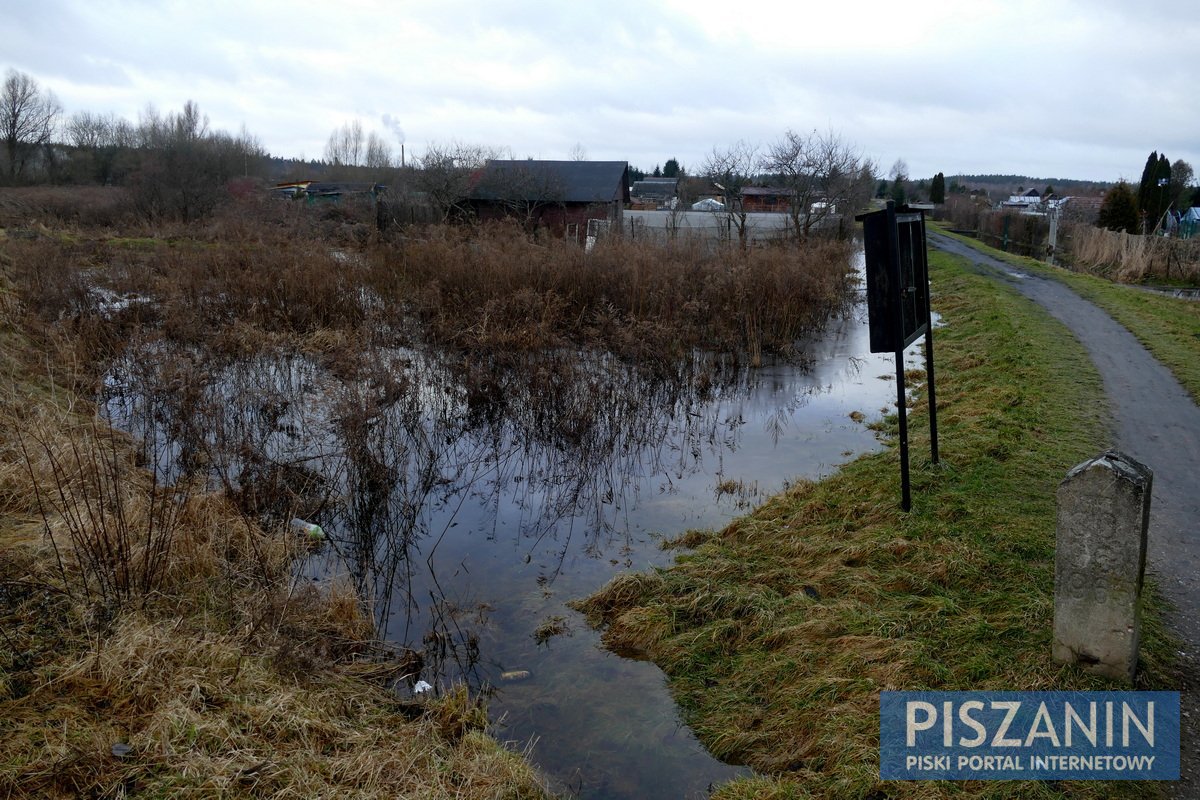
(898, 307)
(897, 277)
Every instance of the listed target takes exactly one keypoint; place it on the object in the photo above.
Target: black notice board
(897, 277)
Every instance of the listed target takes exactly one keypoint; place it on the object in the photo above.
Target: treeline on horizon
(1028, 181)
(176, 166)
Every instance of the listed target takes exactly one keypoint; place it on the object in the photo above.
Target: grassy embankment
(1168, 327)
(779, 632)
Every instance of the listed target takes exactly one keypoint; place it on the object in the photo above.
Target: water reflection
(468, 500)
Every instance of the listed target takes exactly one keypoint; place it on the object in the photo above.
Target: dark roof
(658, 187)
(560, 181)
(765, 191)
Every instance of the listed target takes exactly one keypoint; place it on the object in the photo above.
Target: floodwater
(470, 508)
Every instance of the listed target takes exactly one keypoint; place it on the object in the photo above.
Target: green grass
(1166, 326)
(779, 632)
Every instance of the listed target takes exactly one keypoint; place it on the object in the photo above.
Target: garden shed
(560, 195)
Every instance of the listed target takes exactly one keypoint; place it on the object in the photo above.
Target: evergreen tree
(1154, 196)
(672, 169)
(657, 171)
(1147, 179)
(1118, 212)
(937, 189)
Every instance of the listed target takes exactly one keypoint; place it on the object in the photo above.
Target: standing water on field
(469, 502)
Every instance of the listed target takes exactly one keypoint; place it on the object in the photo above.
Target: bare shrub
(117, 538)
(71, 206)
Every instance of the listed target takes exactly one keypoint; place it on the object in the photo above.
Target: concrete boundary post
(1100, 559)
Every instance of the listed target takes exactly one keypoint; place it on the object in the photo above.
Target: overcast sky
(1032, 87)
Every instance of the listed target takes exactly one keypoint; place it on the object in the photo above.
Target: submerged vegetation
(160, 637)
(779, 631)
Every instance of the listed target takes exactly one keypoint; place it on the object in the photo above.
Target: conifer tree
(1153, 197)
(937, 189)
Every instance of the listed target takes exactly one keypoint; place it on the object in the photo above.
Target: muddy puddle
(470, 503)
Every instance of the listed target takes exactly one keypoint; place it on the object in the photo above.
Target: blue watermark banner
(1121, 736)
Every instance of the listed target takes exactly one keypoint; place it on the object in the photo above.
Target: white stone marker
(1100, 555)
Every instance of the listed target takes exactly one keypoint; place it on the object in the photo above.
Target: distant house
(567, 197)
(1032, 198)
(1079, 209)
(653, 193)
(765, 199)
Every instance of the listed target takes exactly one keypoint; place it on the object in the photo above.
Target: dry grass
(1128, 258)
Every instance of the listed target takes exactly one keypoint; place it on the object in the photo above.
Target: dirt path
(1156, 422)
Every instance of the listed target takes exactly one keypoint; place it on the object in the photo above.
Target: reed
(1128, 258)
(495, 289)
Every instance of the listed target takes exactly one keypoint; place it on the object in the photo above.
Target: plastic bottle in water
(307, 529)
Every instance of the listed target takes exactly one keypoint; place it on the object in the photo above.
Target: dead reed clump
(492, 288)
(1129, 258)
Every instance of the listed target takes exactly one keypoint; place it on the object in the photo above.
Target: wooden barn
(765, 199)
(564, 196)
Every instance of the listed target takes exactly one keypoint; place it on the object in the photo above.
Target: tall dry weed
(494, 288)
(118, 538)
(1130, 258)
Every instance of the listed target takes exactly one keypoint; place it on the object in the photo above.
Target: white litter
(421, 687)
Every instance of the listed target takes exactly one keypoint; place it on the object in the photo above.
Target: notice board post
(897, 269)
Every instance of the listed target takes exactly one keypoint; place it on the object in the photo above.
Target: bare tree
(899, 176)
(444, 173)
(1180, 183)
(184, 167)
(731, 170)
(100, 142)
(823, 172)
(524, 189)
(379, 152)
(345, 145)
(28, 117)
(578, 152)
